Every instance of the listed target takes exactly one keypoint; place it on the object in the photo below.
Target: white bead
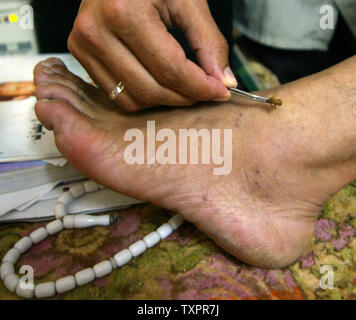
(12, 256)
(6, 269)
(176, 221)
(77, 190)
(123, 257)
(113, 263)
(39, 235)
(68, 222)
(164, 230)
(86, 221)
(25, 293)
(152, 239)
(102, 268)
(54, 226)
(45, 290)
(23, 244)
(65, 284)
(91, 186)
(138, 248)
(66, 198)
(11, 282)
(84, 276)
(59, 210)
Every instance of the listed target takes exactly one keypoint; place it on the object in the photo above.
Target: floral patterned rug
(188, 265)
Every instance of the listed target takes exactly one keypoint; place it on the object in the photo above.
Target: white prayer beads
(122, 257)
(11, 256)
(85, 276)
(45, 290)
(54, 227)
(23, 244)
(85, 221)
(38, 235)
(11, 282)
(6, 269)
(59, 210)
(65, 284)
(103, 268)
(137, 248)
(176, 221)
(152, 239)
(165, 230)
(27, 293)
(77, 191)
(66, 198)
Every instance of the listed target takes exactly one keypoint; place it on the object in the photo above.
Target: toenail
(51, 63)
(47, 71)
(46, 64)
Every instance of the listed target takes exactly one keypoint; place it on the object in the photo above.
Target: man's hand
(128, 41)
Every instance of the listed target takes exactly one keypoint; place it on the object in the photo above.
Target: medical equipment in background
(17, 29)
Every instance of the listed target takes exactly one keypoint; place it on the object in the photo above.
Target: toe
(78, 137)
(55, 81)
(54, 114)
(45, 110)
(41, 74)
(46, 65)
(72, 129)
(58, 67)
(54, 90)
(50, 62)
(54, 70)
(45, 75)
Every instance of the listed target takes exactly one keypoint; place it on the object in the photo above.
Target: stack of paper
(32, 171)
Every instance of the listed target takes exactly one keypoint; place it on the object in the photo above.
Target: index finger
(165, 59)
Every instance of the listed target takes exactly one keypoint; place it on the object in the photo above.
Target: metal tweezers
(272, 101)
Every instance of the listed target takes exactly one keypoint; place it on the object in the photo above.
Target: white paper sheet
(9, 201)
(59, 162)
(100, 201)
(20, 68)
(22, 136)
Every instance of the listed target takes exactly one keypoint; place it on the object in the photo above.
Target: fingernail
(229, 80)
(224, 99)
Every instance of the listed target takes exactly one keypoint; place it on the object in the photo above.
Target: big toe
(70, 126)
(56, 114)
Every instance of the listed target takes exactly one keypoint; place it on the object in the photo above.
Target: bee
(275, 102)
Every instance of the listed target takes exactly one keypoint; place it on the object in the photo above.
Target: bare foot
(263, 212)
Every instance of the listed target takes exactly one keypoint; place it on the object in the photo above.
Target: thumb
(206, 40)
